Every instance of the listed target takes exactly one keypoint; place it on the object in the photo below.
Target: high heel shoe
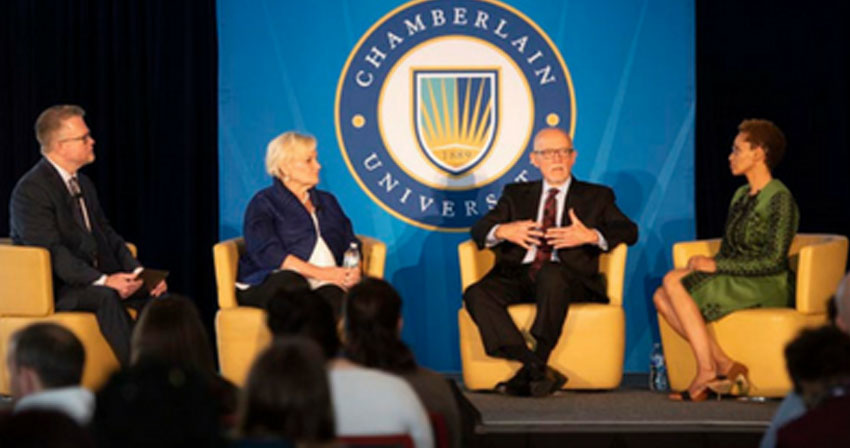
(713, 389)
(720, 387)
(686, 395)
(738, 375)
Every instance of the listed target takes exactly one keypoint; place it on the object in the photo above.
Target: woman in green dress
(750, 270)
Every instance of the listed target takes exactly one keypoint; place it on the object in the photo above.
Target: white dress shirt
(561, 199)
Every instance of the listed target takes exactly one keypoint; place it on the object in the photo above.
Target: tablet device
(152, 277)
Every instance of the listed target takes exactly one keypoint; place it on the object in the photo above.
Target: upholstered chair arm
(26, 281)
(474, 263)
(683, 251)
(226, 260)
(613, 266)
(820, 267)
(374, 256)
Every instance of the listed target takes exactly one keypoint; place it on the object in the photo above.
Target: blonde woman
(295, 235)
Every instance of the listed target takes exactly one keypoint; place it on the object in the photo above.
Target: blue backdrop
(632, 68)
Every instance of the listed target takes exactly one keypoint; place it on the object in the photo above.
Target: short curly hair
(767, 135)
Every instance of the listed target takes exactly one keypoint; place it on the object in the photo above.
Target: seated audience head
(307, 314)
(44, 356)
(287, 394)
(291, 157)
(170, 331)
(372, 327)
(842, 304)
(758, 141)
(817, 360)
(156, 405)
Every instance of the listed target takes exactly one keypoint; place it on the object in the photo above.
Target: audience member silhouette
(366, 401)
(372, 338)
(819, 364)
(157, 405)
(287, 396)
(39, 428)
(45, 366)
(170, 331)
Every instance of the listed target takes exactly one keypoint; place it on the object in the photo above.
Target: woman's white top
(321, 255)
(371, 402)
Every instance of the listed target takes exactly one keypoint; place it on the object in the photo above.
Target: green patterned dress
(752, 264)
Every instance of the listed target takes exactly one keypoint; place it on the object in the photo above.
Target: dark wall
(146, 73)
(787, 62)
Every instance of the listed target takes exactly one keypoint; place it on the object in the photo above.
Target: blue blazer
(277, 225)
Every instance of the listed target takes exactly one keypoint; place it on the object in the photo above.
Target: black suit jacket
(42, 214)
(593, 204)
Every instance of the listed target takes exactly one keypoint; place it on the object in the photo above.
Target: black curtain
(146, 74)
(787, 62)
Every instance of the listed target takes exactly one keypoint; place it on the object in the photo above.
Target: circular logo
(438, 103)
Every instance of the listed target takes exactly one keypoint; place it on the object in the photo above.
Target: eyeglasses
(550, 154)
(738, 151)
(83, 138)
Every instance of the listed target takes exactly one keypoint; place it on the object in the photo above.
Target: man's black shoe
(551, 382)
(518, 385)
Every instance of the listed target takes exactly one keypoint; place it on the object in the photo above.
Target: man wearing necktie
(55, 207)
(547, 236)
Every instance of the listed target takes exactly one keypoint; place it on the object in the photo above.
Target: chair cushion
(590, 350)
(755, 337)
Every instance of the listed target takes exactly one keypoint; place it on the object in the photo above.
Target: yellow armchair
(26, 297)
(241, 331)
(757, 337)
(592, 344)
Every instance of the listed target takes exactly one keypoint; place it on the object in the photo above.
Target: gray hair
(282, 148)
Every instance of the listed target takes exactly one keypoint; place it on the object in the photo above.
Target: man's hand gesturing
(524, 233)
(576, 234)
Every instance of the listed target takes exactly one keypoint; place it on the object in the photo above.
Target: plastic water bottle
(351, 259)
(657, 369)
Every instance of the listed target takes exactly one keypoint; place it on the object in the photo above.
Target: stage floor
(632, 415)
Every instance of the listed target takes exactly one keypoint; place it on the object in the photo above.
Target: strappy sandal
(738, 375)
(714, 389)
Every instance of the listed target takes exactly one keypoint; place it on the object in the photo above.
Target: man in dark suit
(547, 236)
(55, 207)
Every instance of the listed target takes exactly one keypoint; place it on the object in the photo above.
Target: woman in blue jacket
(295, 235)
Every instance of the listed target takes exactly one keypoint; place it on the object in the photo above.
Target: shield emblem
(456, 116)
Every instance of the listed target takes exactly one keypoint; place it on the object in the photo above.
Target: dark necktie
(544, 250)
(79, 202)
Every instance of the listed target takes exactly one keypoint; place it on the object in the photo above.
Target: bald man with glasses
(547, 236)
(56, 207)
